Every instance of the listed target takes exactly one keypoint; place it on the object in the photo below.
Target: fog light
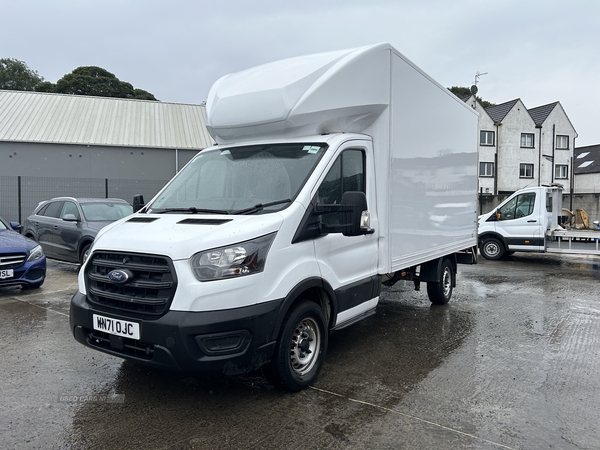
(224, 343)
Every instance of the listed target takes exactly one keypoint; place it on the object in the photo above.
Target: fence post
(19, 197)
(106, 188)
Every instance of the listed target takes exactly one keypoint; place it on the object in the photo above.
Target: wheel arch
(31, 235)
(431, 271)
(313, 289)
(86, 240)
(492, 234)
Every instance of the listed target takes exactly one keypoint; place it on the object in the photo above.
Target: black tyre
(440, 292)
(492, 248)
(84, 253)
(301, 348)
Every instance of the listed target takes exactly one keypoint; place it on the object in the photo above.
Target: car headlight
(245, 258)
(35, 253)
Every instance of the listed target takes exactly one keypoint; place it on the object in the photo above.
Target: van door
(521, 222)
(349, 264)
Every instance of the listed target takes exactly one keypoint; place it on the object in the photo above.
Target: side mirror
(138, 202)
(70, 218)
(355, 215)
(16, 226)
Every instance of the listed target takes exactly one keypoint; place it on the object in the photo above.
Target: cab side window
(520, 206)
(347, 174)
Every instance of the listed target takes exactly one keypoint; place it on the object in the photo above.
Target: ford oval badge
(119, 276)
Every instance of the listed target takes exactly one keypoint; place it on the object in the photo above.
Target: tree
(464, 92)
(15, 75)
(141, 94)
(92, 80)
(45, 86)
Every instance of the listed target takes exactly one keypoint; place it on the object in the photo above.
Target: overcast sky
(540, 51)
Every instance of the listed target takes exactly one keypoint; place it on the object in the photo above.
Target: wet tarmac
(511, 363)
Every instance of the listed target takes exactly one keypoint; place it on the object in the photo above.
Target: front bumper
(230, 341)
(30, 273)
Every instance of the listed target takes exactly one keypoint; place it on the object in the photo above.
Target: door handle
(531, 221)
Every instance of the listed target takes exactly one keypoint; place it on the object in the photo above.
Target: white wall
(557, 123)
(510, 153)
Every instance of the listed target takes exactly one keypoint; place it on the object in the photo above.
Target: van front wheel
(491, 248)
(301, 348)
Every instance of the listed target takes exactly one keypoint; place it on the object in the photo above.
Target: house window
(486, 138)
(561, 172)
(562, 142)
(527, 140)
(526, 171)
(486, 169)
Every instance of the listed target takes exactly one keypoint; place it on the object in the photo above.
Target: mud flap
(467, 256)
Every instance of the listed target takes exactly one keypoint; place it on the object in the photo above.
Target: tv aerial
(474, 88)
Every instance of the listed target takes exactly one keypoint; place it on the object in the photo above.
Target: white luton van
(530, 220)
(331, 173)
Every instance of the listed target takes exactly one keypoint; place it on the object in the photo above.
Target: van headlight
(245, 258)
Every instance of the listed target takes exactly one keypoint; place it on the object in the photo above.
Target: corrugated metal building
(69, 145)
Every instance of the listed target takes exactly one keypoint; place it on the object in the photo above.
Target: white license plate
(6, 273)
(117, 327)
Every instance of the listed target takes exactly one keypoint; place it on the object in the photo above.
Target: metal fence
(19, 195)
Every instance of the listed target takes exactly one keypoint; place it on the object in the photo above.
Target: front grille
(130, 347)
(12, 260)
(147, 294)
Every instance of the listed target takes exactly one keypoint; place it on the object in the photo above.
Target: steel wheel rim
(492, 249)
(447, 282)
(304, 348)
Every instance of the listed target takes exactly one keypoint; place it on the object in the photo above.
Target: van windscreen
(229, 180)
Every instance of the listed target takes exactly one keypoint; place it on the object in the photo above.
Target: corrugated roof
(499, 112)
(541, 113)
(78, 119)
(587, 159)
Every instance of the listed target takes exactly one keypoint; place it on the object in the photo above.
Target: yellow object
(582, 220)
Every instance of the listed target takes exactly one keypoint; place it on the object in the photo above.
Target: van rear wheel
(440, 292)
(301, 348)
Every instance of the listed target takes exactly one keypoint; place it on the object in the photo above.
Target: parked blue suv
(22, 261)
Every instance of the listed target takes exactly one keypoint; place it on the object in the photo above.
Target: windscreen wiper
(260, 206)
(192, 210)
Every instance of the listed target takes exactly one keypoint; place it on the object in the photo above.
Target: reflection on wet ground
(583, 262)
(378, 360)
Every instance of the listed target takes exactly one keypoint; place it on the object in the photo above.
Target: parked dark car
(65, 227)
(22, 261)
